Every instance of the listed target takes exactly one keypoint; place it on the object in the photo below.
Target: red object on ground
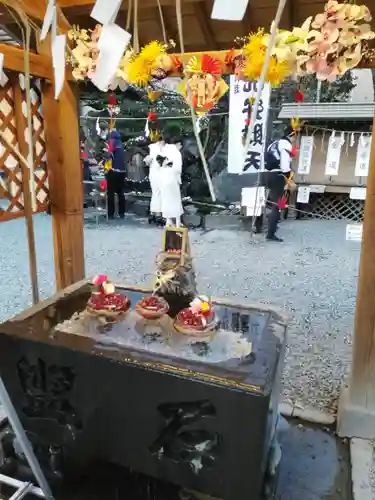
(282, 203)
(299, 96)
(103, 185)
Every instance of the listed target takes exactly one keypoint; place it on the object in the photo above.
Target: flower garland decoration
(203, 85)
(328, 45)
(336, 39)
(153, 62)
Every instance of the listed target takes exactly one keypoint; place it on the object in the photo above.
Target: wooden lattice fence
(13, 123)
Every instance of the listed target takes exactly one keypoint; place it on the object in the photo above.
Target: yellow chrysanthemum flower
(255, 43)
(139, 71)
(253, 67)
(152, 51)
(277, 72)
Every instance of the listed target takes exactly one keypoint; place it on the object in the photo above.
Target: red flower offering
(105, 301)
(152, 307)
(194, 323)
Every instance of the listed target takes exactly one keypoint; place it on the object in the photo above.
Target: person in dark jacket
(116, 175)
(278, 168)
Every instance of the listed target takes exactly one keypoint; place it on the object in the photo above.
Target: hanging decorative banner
(303, 195)
(241, 98)
(363, 156)
(354, 232)
(333, 154)
(357, 193)
(253, 199)
(48, 18)
(305, 155)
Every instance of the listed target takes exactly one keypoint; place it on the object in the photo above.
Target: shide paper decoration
(111, 45)
(229, 10)
(335, 144)
(363, 156)
(105, 11)
(58, 46)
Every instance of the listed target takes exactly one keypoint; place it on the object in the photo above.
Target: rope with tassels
(192, 111)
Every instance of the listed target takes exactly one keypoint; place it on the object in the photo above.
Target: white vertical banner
(363, 156)
(305, 154)
(335, 144)
(240, 102)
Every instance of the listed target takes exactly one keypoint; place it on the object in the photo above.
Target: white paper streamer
(352, 140)
(105, 11)
(48, 19)
(112, 44)
(333, 154)
(229, 10)
(58, 61)
(1, 63)
(305, 155)
(363, 156)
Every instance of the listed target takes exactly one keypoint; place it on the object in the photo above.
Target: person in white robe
(154, 176)
(170, 161)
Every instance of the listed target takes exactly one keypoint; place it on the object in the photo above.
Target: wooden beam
(141, 4)
(356, 417)
(40, 65)
(203, 19)
(37, 9)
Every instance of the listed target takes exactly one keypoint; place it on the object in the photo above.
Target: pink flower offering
(99, 279)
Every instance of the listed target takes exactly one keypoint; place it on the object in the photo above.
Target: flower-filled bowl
(105, 301)
(195, 324)
(152, 307)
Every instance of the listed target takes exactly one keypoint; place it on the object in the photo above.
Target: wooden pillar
(61, 122)
(356, 416)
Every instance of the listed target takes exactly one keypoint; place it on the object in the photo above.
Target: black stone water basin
(203, 426)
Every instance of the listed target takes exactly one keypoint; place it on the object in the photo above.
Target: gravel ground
(312, 276)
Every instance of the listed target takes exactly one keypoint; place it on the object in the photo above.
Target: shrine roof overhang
(201, 33)
(329, 111)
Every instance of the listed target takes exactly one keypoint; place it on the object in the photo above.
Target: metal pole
(23, 441)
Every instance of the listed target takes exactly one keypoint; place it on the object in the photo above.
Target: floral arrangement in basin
(198, 319)
(105, 301)
(328, 45)
(203, 85)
